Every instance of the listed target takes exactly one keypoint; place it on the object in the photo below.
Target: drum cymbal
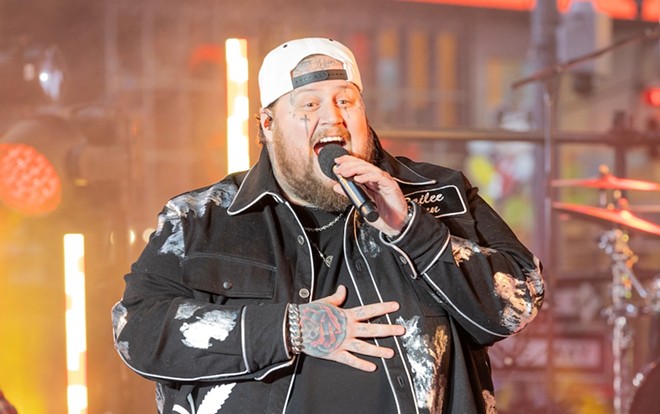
(608, 181)
(611, 215)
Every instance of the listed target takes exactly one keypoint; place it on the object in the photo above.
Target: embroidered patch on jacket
(517, 308)
(489, 402)
(220, 194)
(522, 298)
(119, 315)
(464, 249)
(186, 310)
(212, 325)
(160, 397)
(441, 202)
(424, 357)
(215, 399)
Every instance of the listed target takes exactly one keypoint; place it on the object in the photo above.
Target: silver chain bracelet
(409, 216)
(295, 329)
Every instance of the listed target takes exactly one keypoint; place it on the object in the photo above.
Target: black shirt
(321, 386)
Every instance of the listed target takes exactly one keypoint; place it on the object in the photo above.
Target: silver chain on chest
(326, 226)
(327, 259)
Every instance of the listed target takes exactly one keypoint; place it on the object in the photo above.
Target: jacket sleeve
(488, 281)
(166, 331)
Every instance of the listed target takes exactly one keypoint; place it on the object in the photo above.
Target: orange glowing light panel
(238, 105)
(29, 182)
(616, 9)
(76, 332)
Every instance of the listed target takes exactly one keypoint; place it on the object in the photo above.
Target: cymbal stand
(615, 245)
(549, 75)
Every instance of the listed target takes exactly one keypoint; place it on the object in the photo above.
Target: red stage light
(46, 160)
(29, 182)
(652, 96)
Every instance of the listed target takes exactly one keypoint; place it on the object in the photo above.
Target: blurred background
(109, 108)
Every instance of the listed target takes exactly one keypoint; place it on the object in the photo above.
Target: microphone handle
(368, 211)
(354, 191)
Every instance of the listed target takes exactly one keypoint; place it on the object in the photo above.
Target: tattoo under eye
(305, 119)
(324, 328)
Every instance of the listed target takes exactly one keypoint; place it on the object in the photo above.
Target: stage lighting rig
(50, 161)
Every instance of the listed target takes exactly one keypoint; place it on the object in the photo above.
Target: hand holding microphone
(354, 191)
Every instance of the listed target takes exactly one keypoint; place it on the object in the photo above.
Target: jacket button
(403, 259)
(303, 293)
(301, 240)
(401, 382)
(358, 266)
(227, 284)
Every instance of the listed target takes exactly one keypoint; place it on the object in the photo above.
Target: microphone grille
(327, 157)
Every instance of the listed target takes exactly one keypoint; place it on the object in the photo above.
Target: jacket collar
(260, 183)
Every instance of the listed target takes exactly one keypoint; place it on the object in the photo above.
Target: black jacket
(203, 313)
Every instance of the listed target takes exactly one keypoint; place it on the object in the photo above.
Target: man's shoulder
(430, 170)
(200, 201)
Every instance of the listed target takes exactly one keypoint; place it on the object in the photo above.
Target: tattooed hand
(333, 333)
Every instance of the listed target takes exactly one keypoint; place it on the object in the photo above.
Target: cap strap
(319, 76)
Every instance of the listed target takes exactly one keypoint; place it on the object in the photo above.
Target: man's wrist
(406, 223)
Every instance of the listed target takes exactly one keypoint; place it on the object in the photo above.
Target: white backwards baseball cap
(275, 78)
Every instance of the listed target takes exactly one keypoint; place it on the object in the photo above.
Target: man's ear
(266, 120)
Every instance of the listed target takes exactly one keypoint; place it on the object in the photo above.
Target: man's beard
(302, 179)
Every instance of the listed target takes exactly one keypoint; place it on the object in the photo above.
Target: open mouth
(328, 140)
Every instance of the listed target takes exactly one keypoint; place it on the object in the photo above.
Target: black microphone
(354, 191)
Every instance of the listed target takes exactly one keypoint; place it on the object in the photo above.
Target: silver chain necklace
(327, 259)
(325, 227)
